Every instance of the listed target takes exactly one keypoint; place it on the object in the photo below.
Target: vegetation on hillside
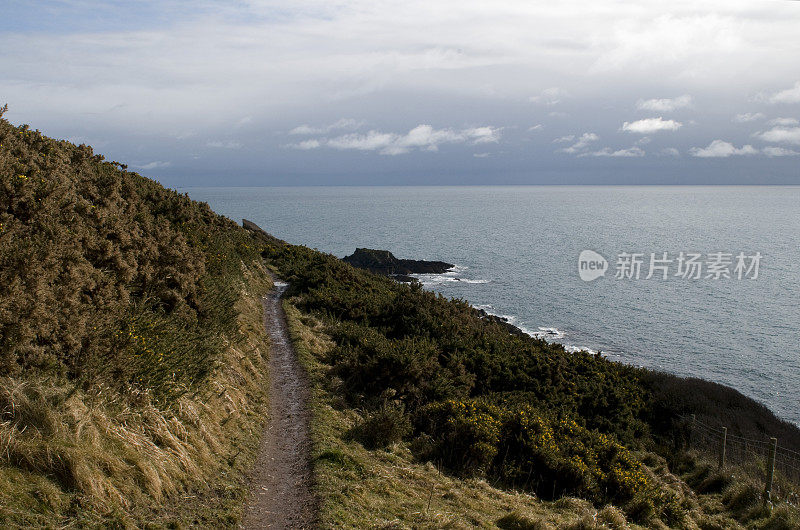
(390, 488)
(131, 342)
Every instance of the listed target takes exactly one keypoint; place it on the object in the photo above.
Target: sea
(696, 281)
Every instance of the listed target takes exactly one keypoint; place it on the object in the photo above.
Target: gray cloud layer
(258, 89)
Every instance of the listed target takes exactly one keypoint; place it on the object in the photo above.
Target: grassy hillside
(131, 344)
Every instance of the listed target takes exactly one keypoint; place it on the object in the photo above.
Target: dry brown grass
(69, 457)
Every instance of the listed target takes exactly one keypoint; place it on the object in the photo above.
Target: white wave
(447, 277)
(550, 334)
(576, 349)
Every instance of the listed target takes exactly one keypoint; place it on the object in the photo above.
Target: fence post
(770, 470)
(722, 445)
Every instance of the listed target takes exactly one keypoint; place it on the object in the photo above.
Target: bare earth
(281, 483)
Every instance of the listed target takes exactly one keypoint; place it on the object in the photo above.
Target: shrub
(612, 517)
(466, 434)
(741, 497)
(641, 509)
(530, 449)
(669, 506)
(106, 275)
(383, 427)
(784, 517)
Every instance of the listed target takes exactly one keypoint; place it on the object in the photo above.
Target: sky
(371, 92)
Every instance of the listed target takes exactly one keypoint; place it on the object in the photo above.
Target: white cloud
(483, 135)
(779, 151)
(342, 124)
(785, 135)
(631, 152)
(230, 144)
(665, 104)
(651, 125)
(549, 96)
(153, 165)
(670, 151)
(305, 145)
(790, 95)
(564, 139)
(481, 155)
(537, 127)
(722, 149)
(422, 137)
(748, 116)
(370, 141)
(582, 143)
(783, 121)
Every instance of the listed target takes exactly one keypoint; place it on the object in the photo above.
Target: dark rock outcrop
(384, 262)
(502, 321)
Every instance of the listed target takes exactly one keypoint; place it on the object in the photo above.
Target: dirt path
(281, 484)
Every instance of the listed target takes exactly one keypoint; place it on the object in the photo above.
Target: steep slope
(132, 368)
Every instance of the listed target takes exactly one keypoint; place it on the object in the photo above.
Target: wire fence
(764, 461)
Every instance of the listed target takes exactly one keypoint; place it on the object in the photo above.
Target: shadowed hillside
(131, 344)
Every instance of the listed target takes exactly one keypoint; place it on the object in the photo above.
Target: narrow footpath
(281, 494)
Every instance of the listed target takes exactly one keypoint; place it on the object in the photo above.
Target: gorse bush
(530, 449)
(382, 427)
(106, 274)
(466, 434)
